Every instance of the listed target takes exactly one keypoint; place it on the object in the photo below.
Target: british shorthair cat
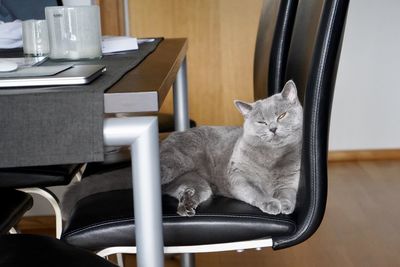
(258, 163)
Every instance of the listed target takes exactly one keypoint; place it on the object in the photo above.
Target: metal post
(54, 202)
(126, 18)
(141, 133)
(181, 111)
(187, 260)
(181, 115)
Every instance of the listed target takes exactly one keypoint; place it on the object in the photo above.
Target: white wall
(41, 206)
(366, 107)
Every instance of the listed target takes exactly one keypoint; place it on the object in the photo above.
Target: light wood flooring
(361, 225)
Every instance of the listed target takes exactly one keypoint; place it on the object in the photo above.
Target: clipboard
(75, 75)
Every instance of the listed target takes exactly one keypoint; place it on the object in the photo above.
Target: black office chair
(272, 46)
(23, 250)
(13, 205)
(28, 250)
(273, 38)
(100, 222)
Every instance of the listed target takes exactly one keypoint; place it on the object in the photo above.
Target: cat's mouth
(273, 138)
(269, 137)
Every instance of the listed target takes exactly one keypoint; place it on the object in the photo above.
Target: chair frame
(53, 199)
(232, 246)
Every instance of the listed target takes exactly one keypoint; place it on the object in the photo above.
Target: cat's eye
(281, 116)
(262, 122)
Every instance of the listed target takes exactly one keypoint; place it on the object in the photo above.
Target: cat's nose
(273, 130)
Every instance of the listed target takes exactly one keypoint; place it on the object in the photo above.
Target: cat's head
(276, 120)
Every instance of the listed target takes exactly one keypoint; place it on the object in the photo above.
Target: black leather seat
(311, 63)
(37, 176)
(42, 251)
(99, 222)
(13, 205)
(27, 250)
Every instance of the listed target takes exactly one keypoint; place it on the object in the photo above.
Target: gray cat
(258, 164)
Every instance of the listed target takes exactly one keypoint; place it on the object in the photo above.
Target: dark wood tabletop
(145, 87)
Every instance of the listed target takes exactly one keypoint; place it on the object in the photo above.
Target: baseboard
(359, 155)
(29, 223)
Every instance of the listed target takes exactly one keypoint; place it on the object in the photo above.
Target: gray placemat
(63, 124)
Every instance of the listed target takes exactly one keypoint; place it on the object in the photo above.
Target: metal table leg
(181, 115)
(141, 133)
(181, 111)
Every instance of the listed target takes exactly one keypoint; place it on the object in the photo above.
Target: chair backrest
(312, 63)
(11, 10)
(272, 46)
(13, 205)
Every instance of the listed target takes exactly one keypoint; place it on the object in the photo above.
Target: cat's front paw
(287, 206)
(186, 211)
(273, 207)
(187, 205)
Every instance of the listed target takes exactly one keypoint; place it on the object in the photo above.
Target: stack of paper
(113, 44)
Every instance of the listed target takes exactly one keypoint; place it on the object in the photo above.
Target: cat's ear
(289, 91)
(243, 107)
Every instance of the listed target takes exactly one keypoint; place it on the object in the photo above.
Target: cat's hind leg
(287, 197)
(173, 163)
(243, 189)
(190, 189)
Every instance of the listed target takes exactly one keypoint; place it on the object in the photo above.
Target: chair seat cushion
(105, 219)
(37, 176)
(30, 250)
(13, 205)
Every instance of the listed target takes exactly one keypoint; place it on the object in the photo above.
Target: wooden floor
(360, 228)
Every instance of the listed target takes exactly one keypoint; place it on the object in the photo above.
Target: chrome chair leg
(188, 260)
(54, 202)
(13, 230)
(120, 259)
(79, 174)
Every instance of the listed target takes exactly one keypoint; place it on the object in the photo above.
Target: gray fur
(258, 164)
(248, 163)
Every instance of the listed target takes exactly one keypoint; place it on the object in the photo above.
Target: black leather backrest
(272, 46)
(13, 205)
(312, 64)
